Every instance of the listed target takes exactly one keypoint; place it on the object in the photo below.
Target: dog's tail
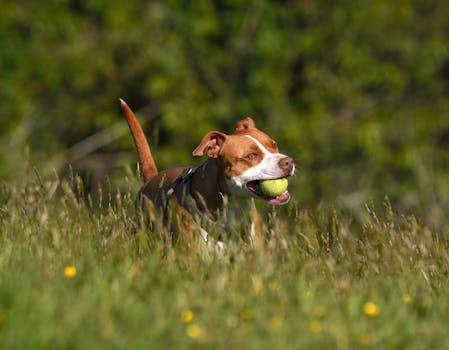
(146, 161)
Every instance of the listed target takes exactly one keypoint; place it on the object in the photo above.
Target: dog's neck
(210, 186)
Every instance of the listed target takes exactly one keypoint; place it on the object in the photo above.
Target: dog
(235, 166)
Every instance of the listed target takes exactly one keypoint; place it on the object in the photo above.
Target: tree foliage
(356, 91)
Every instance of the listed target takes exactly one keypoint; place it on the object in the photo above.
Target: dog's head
(247, 157)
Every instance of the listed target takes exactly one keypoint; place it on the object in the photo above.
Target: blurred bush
(357, 91)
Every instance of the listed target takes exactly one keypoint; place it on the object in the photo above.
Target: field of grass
(83, 276)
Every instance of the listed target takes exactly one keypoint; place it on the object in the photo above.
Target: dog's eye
(252, 155)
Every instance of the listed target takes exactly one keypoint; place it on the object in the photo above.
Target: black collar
(183, 179)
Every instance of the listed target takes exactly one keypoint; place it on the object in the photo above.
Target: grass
(78, 275)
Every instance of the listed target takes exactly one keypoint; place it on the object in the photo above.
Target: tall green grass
(79, 275)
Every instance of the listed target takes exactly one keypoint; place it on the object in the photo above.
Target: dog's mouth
(254, 188)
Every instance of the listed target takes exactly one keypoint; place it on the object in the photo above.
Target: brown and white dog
(236, 163)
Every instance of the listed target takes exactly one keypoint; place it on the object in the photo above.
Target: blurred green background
(356, 91)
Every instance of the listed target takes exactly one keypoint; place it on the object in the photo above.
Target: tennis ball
(273, 188)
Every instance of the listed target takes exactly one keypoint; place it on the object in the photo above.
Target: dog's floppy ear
(244, 125)
(210, 144)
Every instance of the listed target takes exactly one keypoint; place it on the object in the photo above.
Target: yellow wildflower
(407, 298)
(195, 332)
(274, 286)
(187, 316)
(319, 311)
(363, 339)
(277, 321)
(423, 306)
(246, 314)
(315, 326)
(70, 271)
(371, 309)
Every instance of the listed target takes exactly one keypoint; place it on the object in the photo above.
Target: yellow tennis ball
(274, 188)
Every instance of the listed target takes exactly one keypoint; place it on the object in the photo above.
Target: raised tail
(146, 161)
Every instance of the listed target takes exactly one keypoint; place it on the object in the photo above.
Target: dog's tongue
(281, 199)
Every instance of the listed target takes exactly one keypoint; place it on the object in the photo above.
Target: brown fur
(147, 165)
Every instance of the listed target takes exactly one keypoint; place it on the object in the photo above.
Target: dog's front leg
(256, 230)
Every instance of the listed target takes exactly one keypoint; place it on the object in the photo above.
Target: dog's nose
(287, 164)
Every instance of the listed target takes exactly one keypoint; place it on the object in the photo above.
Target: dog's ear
(244, 125)
(210, 144)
